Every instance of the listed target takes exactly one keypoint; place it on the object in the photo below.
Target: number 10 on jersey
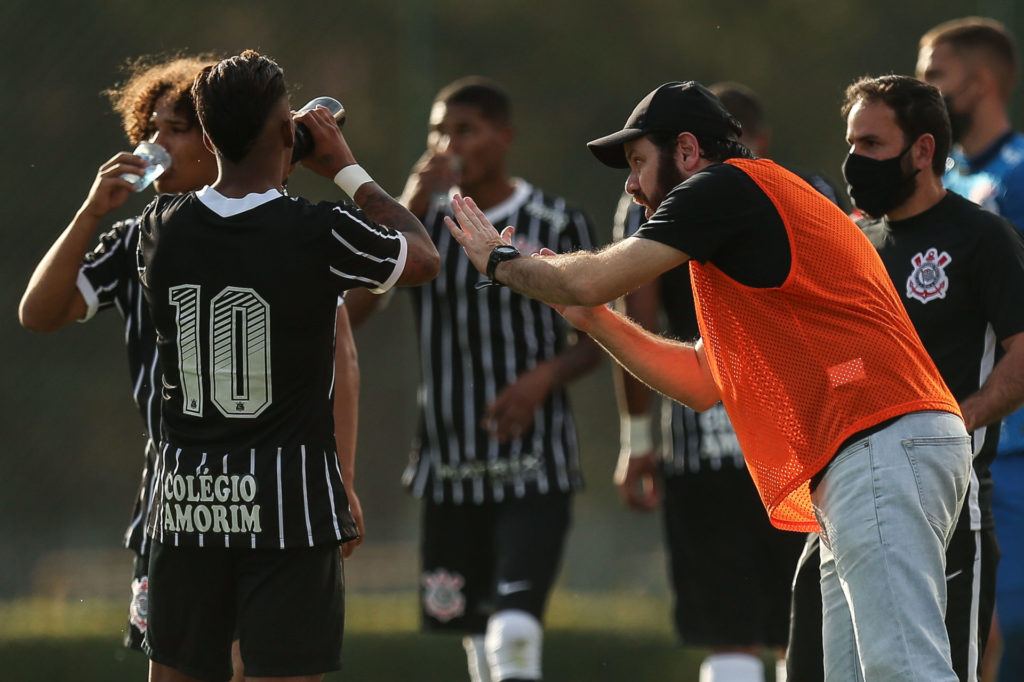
(239, 351)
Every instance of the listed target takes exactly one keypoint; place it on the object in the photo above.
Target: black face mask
(877, 187)
(958, 123)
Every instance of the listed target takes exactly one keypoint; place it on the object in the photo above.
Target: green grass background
(589, 638)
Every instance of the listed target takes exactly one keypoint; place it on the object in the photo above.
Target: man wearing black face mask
(960, 272)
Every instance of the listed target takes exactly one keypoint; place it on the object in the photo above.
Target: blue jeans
(887, 505)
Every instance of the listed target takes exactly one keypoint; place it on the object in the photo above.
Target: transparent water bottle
(303, 138)
(157, 158)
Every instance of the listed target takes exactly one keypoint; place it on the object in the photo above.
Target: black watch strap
(499, 254)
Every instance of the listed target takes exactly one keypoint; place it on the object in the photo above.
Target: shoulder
(724, 186)
(123, 235)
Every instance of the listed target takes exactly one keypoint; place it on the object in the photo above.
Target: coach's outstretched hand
(474, 232)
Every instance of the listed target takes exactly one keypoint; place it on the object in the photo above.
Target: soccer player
(495, 460)
(973, 62)
(242, 282)
(804, 340)
(732, 597)
(960, 272)
(69, 284)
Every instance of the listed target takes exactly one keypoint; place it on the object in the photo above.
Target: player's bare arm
(331, 153)
(1003, 390)
(52, 299)
(636, 472)
(346, 418)
(675, 369)
(580, 278)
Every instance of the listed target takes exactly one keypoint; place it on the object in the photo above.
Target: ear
(687, 153)
(923, 152)
(208, 143)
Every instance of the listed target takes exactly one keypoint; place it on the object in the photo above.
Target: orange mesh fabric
(804, 366)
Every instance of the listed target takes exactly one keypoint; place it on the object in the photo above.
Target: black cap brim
(608, 149)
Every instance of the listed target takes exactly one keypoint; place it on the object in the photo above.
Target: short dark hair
(918, 106)
(484, 94)
(714, 149)
(149, 79)
(742, 103)
(984, 37)
(233, 99)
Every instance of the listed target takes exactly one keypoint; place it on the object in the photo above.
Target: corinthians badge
(928, 281)
(442, 594)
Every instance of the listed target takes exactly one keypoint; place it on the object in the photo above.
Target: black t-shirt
(959, 270)
(244, 296)
(721, 216)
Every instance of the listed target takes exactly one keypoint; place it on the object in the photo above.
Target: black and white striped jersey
(109, 278)
(243, 294)
(474, 342)
(691, 442)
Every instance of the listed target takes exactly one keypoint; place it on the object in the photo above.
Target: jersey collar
(226, 207)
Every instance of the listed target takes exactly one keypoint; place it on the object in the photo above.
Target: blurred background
(72, 443)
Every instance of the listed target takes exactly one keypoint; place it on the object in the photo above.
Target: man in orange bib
(845, 424)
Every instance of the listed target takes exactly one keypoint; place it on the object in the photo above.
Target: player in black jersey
(495, 459)
(960, 272)
(73, 284)
(731, 597)
(69, 284)
(242, 282)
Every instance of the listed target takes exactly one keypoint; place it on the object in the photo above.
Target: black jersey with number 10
(243, 294)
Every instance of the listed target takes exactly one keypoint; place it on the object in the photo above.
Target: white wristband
(635, 435)
(351, 178)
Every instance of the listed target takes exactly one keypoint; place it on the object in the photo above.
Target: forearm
(677, 370)
(422, 261)
(346, 398)
(565, 279)
(641, 306)
(51, 299)
(1002, 392)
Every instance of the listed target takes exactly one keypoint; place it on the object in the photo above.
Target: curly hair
(149, 79)
(233, 99)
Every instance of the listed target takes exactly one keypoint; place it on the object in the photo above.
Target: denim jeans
(887, 505)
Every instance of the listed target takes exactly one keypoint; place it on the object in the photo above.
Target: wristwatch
(500, 254)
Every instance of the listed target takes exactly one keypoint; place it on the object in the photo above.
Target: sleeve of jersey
(362, 253)
(1011, 199)
(104, 269)
(1001, 272)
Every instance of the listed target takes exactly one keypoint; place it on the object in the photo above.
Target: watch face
(506, 250)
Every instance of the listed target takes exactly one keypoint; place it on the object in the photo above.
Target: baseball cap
(677, 106)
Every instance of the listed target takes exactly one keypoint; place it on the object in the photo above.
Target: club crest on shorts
(928, 281)
(442, 594)
(138, 610)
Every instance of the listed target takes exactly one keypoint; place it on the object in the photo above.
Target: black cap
(683, 107)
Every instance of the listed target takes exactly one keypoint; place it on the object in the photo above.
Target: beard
(667, 178)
